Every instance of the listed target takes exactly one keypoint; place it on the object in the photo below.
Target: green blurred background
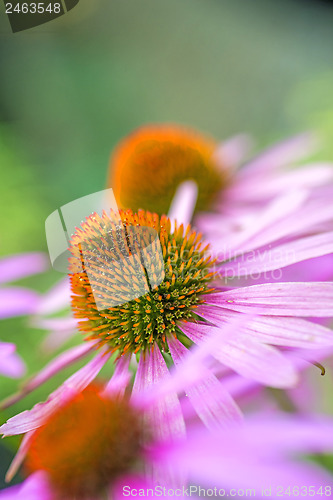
(70, 89)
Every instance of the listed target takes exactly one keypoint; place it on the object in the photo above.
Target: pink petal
(55, 299)
(120, 378)
(282, 154)
(277, 210)
(32, 419)
(56, 324)
(231, 153)
(166, 416)
(279, 299)
(15, 301)
(267, 186)
(263, 260)
(246, 356)
(19, 457)
(19, 266)
(212, 402)
(36, 487)
(305, 221)
(11, 364)
(62, 361)
(61, 329)
(183, 203)
(289, 332)
(254, 454)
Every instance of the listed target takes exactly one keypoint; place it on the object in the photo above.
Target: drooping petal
(246, 356)
(19, 266)
(120, 378)
(62, 361)
(11, 365)
(20, 456)
(279, 299)
(212, 402)
(164, 415)
(32, 419)
(15, 301)
(193, 368)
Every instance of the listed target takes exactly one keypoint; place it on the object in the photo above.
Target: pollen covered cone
(133, 279)
(149, 164)
(86, 444)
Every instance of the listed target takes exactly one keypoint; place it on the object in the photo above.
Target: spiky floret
(150, 163)
(131, 298)
(86, 444)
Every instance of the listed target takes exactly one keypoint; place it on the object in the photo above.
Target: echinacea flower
(267, 201)
(17, 301)
(147, 167)
(168, 315)
(99, 444)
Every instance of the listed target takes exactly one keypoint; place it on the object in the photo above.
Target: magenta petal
(11, 364)
(279, 299)
(212, 402)
(32, 419)
(255, 454)
(19, 266)
(15, 301)
(36, 487)
(12, 493)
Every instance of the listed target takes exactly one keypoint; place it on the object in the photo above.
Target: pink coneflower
(99, 445)
(103, 442)
(263, 203)
(185, 308)
(17, 301)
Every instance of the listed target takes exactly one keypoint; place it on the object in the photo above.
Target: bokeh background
(70, 89)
